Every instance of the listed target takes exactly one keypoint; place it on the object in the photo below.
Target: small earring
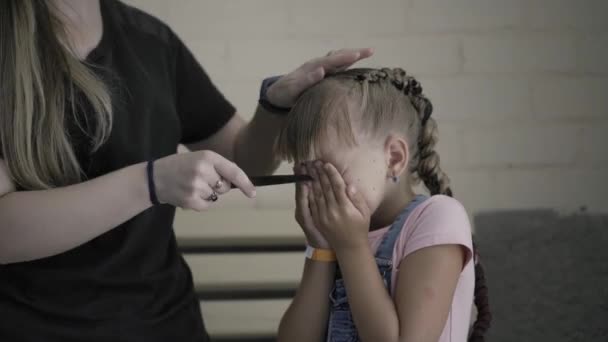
(394, 178)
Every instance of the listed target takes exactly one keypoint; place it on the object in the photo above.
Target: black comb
(277, 179)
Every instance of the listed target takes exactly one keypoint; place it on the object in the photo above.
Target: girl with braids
(383, 263)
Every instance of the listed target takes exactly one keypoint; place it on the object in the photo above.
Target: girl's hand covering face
(314, 238)
(337, 209)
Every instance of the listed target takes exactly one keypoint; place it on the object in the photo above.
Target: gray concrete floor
(547, 275)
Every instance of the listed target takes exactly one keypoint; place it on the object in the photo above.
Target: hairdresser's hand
(303, 217)
(285, 91)
(188, 179)
(337, 209)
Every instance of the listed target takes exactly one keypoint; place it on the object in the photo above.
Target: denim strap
(385, 250)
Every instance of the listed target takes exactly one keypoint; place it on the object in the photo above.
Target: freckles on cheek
(371, 194)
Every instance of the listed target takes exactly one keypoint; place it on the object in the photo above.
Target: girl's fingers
(314, 212)
(315, 186)
(304, 211)
(298, 170)
(304, 193)
(304, 190)
(317, 191)
(328, 192)
(358, 201)
(337, 184)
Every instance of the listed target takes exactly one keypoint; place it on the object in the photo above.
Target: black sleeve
(202, 109)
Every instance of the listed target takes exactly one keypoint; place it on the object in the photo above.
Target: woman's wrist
(267, 99)
(139, 183)
(151, 182)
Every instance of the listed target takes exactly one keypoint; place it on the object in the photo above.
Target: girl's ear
(397, 156)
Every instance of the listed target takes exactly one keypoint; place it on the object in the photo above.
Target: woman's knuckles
(206, 156)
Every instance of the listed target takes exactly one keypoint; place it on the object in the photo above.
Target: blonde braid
(428, 168)
(425, 164)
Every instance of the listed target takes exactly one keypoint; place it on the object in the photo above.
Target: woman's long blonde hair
(42, 86)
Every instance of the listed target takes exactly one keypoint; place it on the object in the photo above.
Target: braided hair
(425, 165)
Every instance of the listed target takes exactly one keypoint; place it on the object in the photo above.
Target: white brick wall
(570, 188)
(423, 55)
(479, 98)
(575, 98)
(594, 144)
(465, 15)
(519, 86)
(522, 145)
(566, 14)
(347, 18)
(519, 53)
(519, 89)
(234, 19)
(592, 53)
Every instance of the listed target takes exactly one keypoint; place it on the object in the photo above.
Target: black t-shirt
(130, 284)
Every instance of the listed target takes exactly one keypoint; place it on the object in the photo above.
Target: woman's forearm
(254, 149)
(38, 224)
(372, 307)
(306, 318)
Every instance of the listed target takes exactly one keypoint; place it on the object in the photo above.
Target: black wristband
(151, 185)
(263, 101)
(269, 107)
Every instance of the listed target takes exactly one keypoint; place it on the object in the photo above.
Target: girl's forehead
(326, 152)
(338, 155)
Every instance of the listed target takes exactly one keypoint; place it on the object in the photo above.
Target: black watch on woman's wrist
(265, 103)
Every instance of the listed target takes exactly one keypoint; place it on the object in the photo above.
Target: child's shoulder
(439, 214)
(439, 220)
(442, 204)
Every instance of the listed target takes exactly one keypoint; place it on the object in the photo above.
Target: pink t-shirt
(439, 220)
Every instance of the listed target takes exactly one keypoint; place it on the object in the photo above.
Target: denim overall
(341, 327)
